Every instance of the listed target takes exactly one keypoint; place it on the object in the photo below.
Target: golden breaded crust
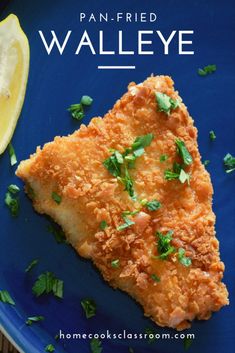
(73, 167)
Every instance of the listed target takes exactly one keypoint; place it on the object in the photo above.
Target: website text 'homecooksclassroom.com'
(125, 335)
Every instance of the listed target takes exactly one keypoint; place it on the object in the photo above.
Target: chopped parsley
(57, 198)
(187, 343)
(209, 69)
(177, 174)
(50, 348)
(140, 143)
(118, 164)
(128, 183)
(128, 223)
(150, 334)
(12, 154)
(115, 263)
(183, 152)
(178, 171)
(47, 283)
(183, 177)
(206, 162)
(229, 162)
(103, 225)
(164, 246)
(186, 261)
(86, 100)
(31, 319)
(163, 158)
(12, 203)
(89, 307)
(212, 135)
(155, 278)
(165, 103)
(153, 205)
(31, 265)
(58, 233)
(113, 164)
(170, 175)
(96, 345)
(6, 298)
(13, 189)
(77, 110)
(30, 192)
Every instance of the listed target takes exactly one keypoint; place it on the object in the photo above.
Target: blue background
(57, 81)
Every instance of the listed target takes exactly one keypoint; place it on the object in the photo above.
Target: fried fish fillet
(72, 167)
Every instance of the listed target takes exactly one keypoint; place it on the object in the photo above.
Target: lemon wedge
(14, 67)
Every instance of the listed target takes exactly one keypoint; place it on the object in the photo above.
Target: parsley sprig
(229, 162)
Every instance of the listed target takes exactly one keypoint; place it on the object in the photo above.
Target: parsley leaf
(118, 164)
(163, 245)
(131, 350)
(170, 175)
(229, 162)
(183, 152)
(58, 233)
(103, 225)
(140, 143)
(186, 261)
(128, 223)
(183, 177)
(6, 298)
(96, 345)
(32, 264)
(206, 162)
(89, 307)
(48, 283)
(187, 343)
(115, 263)
(57, 198)
(153, 205)
(50, 348)
(86, 100)
(77, 110)
(165, 103)
(13, 189)
(12, 154)
(163, 158)
(31, 319)
(209, 69)
(150, 334)
(155, 278)
(113, 164)
(212, 135)
(13, 204)
(128, 183)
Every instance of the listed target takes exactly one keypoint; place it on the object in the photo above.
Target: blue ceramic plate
(57, 81)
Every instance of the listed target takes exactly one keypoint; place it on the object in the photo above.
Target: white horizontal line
(116, 67)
